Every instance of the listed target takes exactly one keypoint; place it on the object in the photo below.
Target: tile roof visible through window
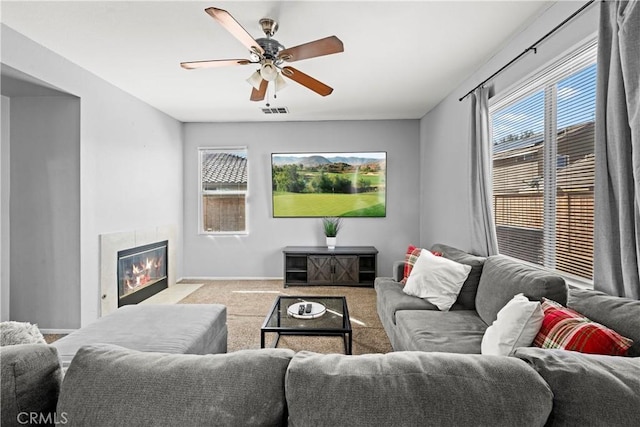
(224, 168)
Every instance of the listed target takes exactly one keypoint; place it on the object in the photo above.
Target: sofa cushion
(503, 277)
(111, 385)
(31, 377)
(391, 298)
(436, 279)
(467, 297)
(517, 325)
(619, 314)
(566, 329)
(458, 331)
(414, 388)
(589, 390)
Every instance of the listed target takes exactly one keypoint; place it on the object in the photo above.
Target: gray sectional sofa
(108, 385)
(415, 324)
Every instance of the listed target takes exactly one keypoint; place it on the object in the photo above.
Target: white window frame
(202, 192)
(547, 75)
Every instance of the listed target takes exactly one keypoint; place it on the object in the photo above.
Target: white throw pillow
(516, 325)
(436, 279)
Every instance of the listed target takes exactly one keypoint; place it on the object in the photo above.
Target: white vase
(331, 242)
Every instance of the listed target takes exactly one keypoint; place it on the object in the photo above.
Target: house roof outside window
(224, 171)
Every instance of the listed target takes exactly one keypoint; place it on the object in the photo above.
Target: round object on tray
(317, 310)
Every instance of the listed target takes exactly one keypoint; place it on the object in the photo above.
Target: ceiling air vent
(275, 110)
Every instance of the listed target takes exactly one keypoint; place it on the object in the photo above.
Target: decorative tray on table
(299, 310)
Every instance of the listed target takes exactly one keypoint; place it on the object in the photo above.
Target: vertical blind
(543, 165)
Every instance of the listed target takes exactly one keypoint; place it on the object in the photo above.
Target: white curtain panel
(484, 240)
(617, 151)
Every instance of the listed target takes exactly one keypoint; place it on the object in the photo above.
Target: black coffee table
(334, 322)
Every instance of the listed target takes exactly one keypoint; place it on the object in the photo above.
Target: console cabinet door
(320, 271)
(345, 269)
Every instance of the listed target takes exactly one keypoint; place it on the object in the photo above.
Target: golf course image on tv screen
(329, 184)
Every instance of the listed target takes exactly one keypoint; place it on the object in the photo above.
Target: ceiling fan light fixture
(255, 79)
(280, 83)
(268, 71)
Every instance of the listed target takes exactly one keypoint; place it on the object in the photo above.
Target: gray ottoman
(177, 328)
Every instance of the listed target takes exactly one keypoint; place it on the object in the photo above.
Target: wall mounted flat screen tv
(329, 184)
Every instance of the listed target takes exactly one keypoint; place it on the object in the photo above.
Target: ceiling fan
(271, 55)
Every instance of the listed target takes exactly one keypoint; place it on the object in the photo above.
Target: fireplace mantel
(111, 243)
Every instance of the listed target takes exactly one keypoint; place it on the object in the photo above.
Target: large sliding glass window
(543, 166)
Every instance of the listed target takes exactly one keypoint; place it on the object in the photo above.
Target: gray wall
(117, 133)
(259, 254)
(444, 131)
(45, 210)
(4, 208)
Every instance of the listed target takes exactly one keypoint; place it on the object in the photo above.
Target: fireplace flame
(143, 272)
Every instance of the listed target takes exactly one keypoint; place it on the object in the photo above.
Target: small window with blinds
(543, 166)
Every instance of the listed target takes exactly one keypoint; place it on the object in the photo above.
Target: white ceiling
(400, 59)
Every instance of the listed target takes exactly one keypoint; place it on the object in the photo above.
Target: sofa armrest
(31, 377)
(398, 271)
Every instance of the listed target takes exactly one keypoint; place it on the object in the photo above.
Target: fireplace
(142, 272)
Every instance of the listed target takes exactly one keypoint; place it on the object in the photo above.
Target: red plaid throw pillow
(569, 330)
(410, 259)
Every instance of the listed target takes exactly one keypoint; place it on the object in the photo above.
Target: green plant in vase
(331, 226)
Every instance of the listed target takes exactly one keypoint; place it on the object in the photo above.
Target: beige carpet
(249, 301)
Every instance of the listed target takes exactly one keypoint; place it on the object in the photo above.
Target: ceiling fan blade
(213, 63)
(307, 81)
(258, 95)
(230, 24)
(325, 46)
